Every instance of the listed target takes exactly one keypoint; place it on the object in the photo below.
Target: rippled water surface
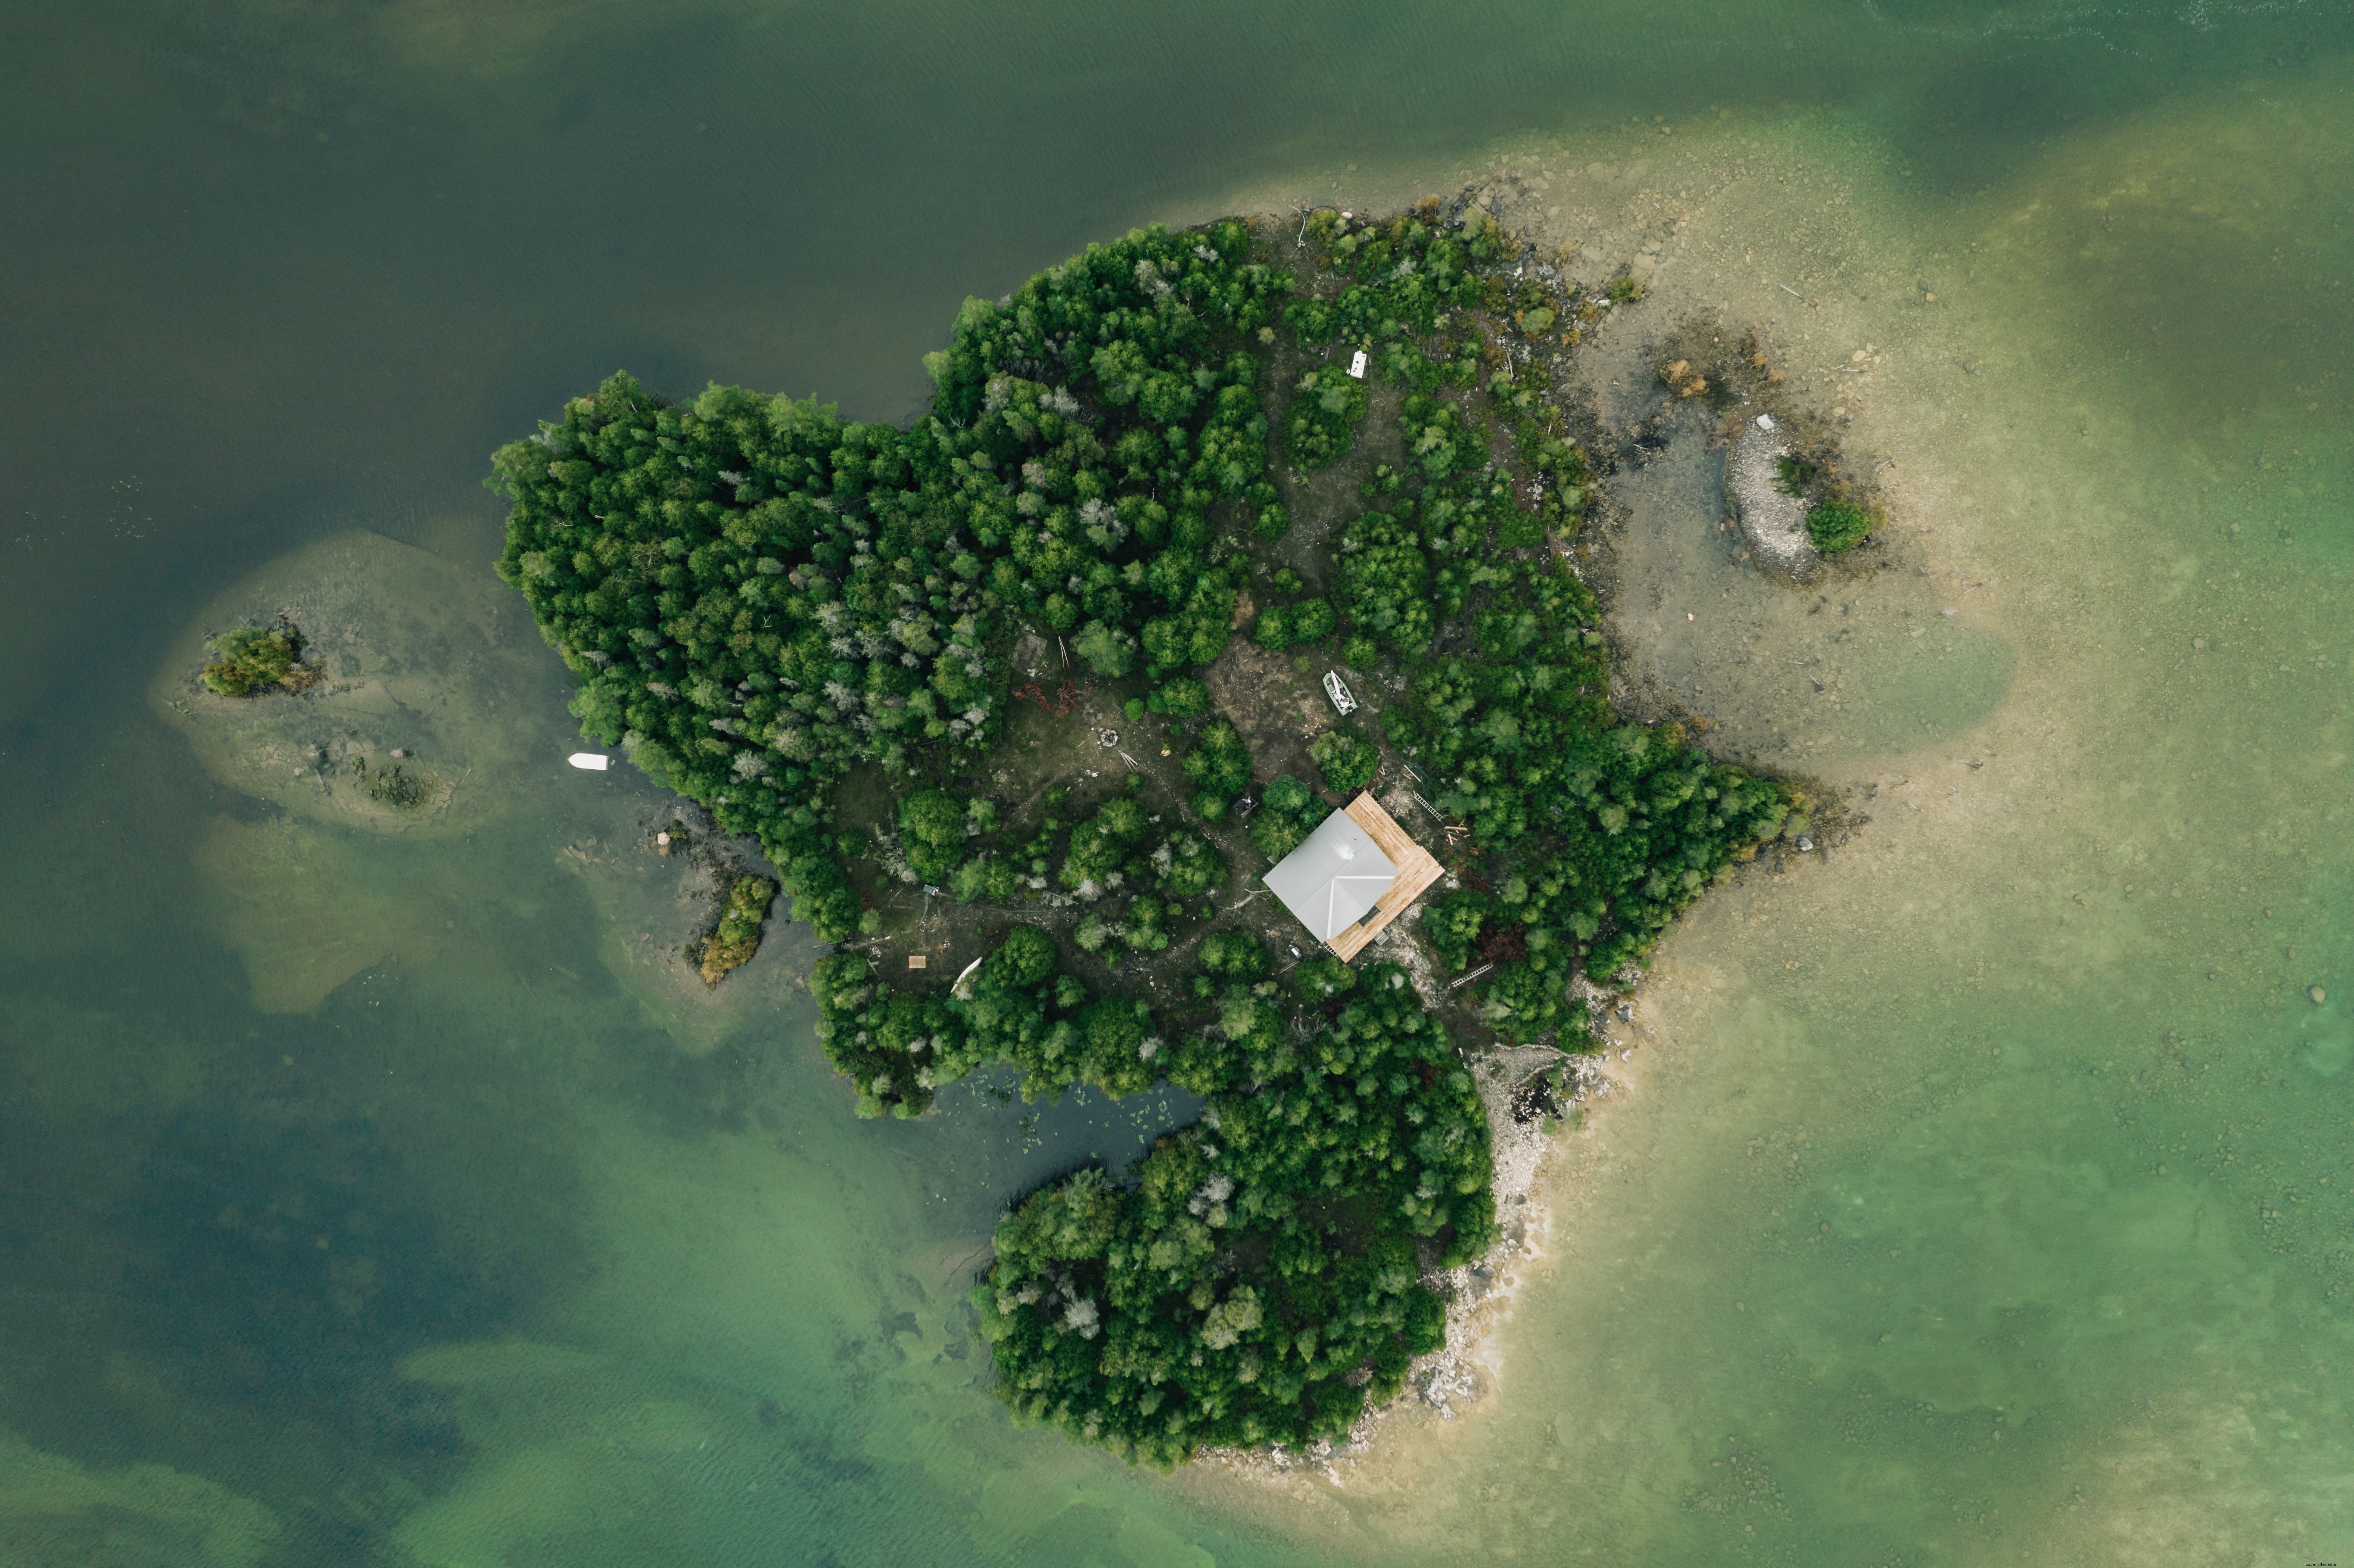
(1978, 1191)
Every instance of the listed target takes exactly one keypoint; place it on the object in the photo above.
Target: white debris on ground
(1395, 944)
(1276, 1462)
(1403, 803)
(1480, 1294)
(1775, 523)
(1596, 1001)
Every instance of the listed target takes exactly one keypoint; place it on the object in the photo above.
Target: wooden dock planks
(1416, 870)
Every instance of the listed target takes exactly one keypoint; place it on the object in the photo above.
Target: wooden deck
(1416, 870)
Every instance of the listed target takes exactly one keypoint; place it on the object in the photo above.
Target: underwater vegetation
(758, 598)
(390, 785)
(254, 658)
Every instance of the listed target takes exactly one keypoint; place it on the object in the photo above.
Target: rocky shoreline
(1481, 1295)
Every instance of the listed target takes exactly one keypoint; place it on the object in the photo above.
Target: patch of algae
(416, 653)
(55, 1511)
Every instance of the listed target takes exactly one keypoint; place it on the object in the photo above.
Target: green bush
(1237, 955)
(1323, 418)
(1320, 977)
(737, 938)
(1288, 796)
(1281, 626)
(1107, 650)
(1313, 319)
(1145, 929)
(1100, 845)
(1453, 925)
(1275, 835)
(932, 817)
(1184, 698)
(1288, 812)
(1219, 766)
(1347, 762)
(1185, 867)
(1387, 577)
(252, 657)
(985, 875)
(931, 830)
(1837, 526)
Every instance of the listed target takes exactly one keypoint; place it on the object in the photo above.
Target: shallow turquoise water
(361, 1198)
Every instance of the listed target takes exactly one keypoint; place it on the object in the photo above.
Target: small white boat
(1338, 689)
(1357, 365)
(592, 761)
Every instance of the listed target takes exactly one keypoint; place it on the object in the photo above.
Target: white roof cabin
(1354, 874)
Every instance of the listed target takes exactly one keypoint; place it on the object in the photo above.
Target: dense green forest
(761, 599)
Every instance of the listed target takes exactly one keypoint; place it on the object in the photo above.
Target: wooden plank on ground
(1416, 870)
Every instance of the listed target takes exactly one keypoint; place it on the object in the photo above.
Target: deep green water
(1980, 1195)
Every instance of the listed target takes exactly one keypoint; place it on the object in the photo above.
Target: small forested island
(253, 658)
(736, 937)
(1156, 480)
